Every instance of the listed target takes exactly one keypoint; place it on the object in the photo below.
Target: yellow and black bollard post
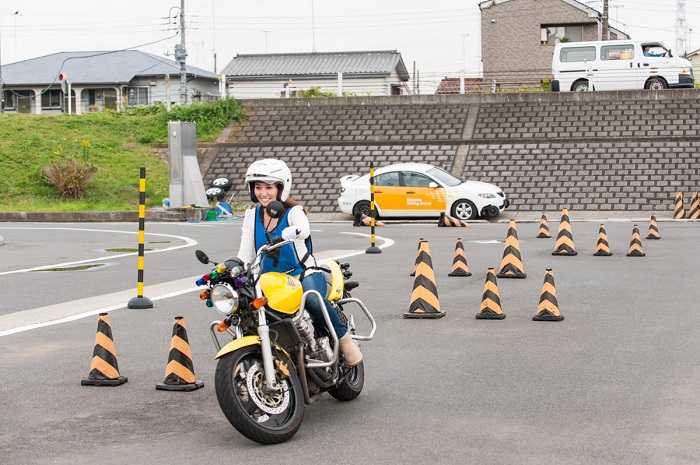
(140, 301)
(372, 211)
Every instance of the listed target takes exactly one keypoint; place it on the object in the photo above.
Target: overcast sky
(440, 36)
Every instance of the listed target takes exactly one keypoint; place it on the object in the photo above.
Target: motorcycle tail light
(204, 295)
(259, 302)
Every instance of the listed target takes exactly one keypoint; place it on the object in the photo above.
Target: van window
(577, 54)
(617, 52)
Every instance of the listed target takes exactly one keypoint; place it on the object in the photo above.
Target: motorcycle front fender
(244, 341)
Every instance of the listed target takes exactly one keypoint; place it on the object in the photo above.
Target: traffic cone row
(104, 371)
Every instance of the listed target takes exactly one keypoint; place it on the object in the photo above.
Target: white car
(417, 189)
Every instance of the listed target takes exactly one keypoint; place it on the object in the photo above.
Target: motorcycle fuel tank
(283, 292)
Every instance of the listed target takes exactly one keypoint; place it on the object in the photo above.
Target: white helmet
(270, 171)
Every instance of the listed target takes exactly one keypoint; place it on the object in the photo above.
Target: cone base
(636, 254)
(512, 275)
(424, 315)
(603, 254)
(543, 236)
(140, 302)
(104, 382)
(656, 238)
(459, 273)
(373, 249)
(490, 315)
(179, 387)
(412, 274)
(565, 253)
(547, 316)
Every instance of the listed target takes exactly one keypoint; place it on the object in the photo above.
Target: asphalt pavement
(614, 382)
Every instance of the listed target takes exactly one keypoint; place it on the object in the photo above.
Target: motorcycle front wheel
(261, 416)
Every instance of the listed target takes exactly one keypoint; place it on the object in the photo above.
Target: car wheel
(361, 207)
(580, 86)
(224, 183)
(464, 210)
(655, 84)
(215, 193)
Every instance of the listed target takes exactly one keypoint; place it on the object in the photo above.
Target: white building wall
(375, 86)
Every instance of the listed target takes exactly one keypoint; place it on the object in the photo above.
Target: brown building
(518, 37)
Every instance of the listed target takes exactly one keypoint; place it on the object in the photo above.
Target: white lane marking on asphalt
(27, 320)
(188, 243)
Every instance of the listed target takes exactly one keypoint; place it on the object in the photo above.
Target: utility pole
(181, 56)
(681, 28)
(2, 92)
(606, 27)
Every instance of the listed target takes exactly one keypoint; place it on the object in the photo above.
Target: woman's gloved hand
(290, 233)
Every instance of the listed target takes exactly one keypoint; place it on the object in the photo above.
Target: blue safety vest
(289, 262)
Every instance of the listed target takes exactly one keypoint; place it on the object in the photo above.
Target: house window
(617, 52)
(51, 99)
(577, 54)
(137, 96)
(550, 35)
(8, 100)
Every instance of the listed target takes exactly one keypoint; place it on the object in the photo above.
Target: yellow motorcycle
(279, 359)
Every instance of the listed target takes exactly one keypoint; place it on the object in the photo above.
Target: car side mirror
(433, 185)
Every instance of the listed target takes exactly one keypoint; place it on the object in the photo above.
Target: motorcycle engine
(318, 348)
(306, 329)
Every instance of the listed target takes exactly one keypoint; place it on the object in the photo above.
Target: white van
(618, 65)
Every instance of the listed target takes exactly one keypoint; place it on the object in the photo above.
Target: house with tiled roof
(276, 75)
(99, 80)
(452, 85)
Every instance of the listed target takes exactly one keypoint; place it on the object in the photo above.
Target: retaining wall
(629, 150)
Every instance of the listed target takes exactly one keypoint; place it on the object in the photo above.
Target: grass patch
(119, 144)
(71, 268)
(126, 250)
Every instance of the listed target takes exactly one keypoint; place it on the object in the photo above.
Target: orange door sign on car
(404, 200)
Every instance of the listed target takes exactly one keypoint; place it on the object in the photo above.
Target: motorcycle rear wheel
(351, 385)
(266, 418)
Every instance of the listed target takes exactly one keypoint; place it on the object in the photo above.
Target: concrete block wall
(588, 151)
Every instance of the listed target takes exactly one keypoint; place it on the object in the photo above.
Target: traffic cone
(490, 301)
(448, 221)
(694, 207)
(179, 373)
(603, 248)
(424, 298)
(565, 239)
(459, 262)
(104, 370)
(679, 210)
(544, 228)
(512, 265)
(548, 310)
(653, 228)
(415, 265)
(635, 244)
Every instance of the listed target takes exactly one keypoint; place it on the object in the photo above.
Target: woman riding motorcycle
(269, 180)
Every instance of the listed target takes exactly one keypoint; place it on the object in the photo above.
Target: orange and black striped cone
(635, 244)
(565, 239)
(679, 210)
(512, 265)
(653, 229)
(459, 262)
(424, 298)
(603, 248)
(104, 370)
(490, 301)
(694, 212)
(448, 221)
(548, 310)
(413, 273)
(179, 374)
(544, 228)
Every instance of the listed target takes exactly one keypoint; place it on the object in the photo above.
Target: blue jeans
(317, 282)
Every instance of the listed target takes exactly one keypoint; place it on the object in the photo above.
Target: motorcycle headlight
(224, 299)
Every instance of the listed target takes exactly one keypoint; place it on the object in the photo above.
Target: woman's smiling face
(265, 193)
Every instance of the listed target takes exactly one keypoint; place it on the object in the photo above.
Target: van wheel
(656, 84)
(580, 86)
